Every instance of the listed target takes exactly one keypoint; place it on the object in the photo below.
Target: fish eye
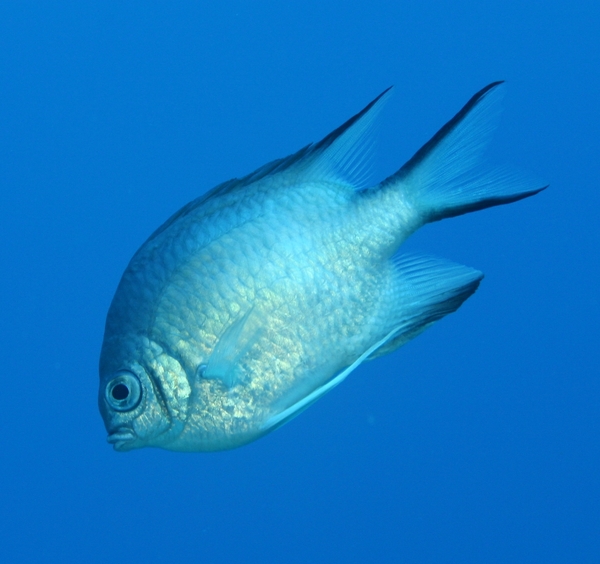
(124, 392)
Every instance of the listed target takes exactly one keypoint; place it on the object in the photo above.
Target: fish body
(260, 296)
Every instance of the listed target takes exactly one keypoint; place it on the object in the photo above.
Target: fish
(260, 296)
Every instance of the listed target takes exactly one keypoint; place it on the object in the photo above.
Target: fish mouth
(121, 439)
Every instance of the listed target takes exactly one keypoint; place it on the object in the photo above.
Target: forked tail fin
(443, 178)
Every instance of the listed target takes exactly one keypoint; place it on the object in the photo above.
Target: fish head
(143, 394)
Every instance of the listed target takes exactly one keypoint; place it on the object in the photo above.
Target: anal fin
(424, 290)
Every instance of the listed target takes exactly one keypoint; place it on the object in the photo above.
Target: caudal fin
(443, 179)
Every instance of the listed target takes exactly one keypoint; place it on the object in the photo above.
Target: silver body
(254, 300)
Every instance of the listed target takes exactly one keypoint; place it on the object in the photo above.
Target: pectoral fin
(235, 342)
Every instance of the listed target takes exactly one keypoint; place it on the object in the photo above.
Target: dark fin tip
(465, 292)
(329, 139)
(483, 204)
(453, 302)
(426, 149)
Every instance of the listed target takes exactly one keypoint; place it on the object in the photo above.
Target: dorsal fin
(340, 156)
(343, 155)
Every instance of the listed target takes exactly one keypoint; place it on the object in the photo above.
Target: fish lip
(121, 438)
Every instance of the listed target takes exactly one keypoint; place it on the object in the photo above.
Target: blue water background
(477, 442)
